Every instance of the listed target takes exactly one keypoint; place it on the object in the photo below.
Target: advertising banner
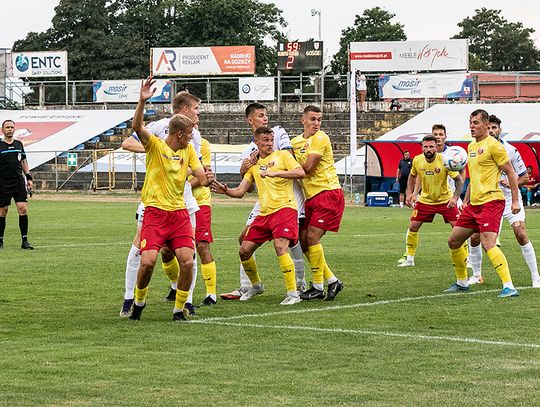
(440, 85)
(128, 91)
(256, 88)
(233, 60)
(35, 64)
(44, 132)
(395, 56)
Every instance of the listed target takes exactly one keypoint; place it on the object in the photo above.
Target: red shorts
(283, 223)
(203, 228)
(482, 218)
(325, 210)
(425, 213)
(170, 228)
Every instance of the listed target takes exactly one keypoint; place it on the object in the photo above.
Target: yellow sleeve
(248, 176)
(152, 140)
(193, 160)
(414, 171)
(453, 174)
(289, 161)
(319, 144)
(206, 153)
(499, 154)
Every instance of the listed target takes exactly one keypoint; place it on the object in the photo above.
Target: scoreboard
(300, 56)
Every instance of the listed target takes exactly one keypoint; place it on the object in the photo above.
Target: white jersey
(161, 129)
(517, 164)
(282, 141)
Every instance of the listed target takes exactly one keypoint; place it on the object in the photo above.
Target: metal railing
(113, 170)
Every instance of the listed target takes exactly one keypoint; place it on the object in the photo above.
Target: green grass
(63, 343)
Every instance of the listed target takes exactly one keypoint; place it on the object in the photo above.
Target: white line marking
(376, 333)
(349, 306)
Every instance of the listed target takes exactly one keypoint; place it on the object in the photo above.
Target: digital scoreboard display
(300, 56)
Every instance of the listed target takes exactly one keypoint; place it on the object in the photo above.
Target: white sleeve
(281, 139)
(249, 150)
(196, 141)
(159, 128)
(518, 164)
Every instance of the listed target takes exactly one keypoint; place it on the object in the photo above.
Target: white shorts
(511, 217)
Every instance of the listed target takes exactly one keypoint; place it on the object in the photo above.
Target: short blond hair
(184, 99)
(180, 123)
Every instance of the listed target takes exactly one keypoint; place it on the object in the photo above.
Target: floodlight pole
(314, 13)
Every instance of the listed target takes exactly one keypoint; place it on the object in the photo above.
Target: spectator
(394, 104)
(404, 168)
(361, 90)
(531, 187)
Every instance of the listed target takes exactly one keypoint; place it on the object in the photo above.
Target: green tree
(111, 39)
(496, 44)
(373, 25)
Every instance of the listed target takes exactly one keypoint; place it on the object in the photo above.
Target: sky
(423, 20)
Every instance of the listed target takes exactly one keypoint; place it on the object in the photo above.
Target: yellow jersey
(274, 193)
(166, 172)
(202, 194)
(324, 178)
(434, 177)
(485, 159)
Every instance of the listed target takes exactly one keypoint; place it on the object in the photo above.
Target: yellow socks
(412, 243)
(459, 259)
(315, 255)
(286, 266)
(140, 295)
(209, 276)
(250, 267)
(171, 269)
(180, 301)
(497, 258)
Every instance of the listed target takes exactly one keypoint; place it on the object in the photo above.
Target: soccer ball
(455, 158)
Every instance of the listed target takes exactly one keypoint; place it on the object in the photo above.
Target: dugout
(520, 126)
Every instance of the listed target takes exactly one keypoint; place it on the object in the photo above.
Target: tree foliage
(496, 44)
(111, 39)
(373, 25)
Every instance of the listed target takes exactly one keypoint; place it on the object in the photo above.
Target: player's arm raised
(138, 123)
(238, 192)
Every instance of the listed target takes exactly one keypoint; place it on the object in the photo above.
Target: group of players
(300, 199)
(496, 170)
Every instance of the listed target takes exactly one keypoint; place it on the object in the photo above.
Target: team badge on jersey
(480, 150)
(437, 170)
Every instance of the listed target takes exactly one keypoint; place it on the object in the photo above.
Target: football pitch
(391, 337)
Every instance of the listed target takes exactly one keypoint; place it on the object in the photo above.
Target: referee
(13, 165)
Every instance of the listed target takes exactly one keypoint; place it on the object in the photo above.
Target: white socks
(475, 258)
(530, 258)
(132, 266)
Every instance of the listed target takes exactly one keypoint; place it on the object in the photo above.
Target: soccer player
(188, 105)
(166, 219)
(203, 229)
(439, 132)
(325, 202)
(272, 174)
(257, 116)
(517, 221)
(436, 196)
(15, 177)
(484, 204)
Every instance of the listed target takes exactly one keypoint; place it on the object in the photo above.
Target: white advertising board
(256, 88)
(36, 64)
(46, 133)
(437, 85)
(395, 56)
(231, 60)
(128, 91)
